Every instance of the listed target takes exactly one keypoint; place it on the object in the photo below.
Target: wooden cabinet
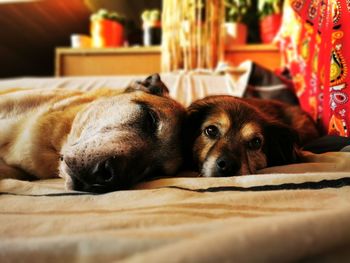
(144, 60)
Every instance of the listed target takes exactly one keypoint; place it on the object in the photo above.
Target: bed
(290, 213)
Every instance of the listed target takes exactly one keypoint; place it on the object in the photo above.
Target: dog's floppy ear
(152, 84)
(281, 144)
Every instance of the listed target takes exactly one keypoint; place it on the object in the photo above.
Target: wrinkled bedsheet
(255, 218)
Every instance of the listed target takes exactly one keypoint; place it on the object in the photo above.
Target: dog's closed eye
(152, 120)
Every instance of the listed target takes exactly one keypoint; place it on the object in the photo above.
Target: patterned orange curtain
(315, 41)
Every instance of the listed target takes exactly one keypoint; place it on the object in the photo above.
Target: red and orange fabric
(315, 40)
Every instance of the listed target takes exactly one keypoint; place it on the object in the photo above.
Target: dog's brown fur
(99, 141)
(232, 136)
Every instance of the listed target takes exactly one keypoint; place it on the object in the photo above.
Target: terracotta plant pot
(106, 33)
(269, 27)
(235, 34)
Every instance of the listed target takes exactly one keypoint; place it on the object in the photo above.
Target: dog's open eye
(255, 143)
(211, 132)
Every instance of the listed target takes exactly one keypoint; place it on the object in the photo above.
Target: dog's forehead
(127, 108)
(141, 96)
(236, 117)
(240, 112)
(219, 118)
(133, 99)
(115, 106)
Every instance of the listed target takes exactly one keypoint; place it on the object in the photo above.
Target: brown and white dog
(99, 141)
(230, 136)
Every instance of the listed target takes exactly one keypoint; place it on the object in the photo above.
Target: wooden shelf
(120, 50)
(253, 47)
(107, 61)
(144, 60)
(266, 55)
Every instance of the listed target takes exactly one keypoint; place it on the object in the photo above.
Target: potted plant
(236, 12)
(270, 12)
(151, 27)
(107, 29)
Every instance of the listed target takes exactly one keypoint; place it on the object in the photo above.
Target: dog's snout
(72, 163)
(76, 170)
(100, 176)
(226, 166)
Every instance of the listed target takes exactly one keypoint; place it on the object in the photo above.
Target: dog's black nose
(226, 166)
(108, 172)
(107, 175)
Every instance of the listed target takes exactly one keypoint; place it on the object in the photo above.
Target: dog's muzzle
(225, 166)
(104, 176)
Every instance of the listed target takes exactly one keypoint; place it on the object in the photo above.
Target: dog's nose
(226, 166)
(108, 172)
(103, 176)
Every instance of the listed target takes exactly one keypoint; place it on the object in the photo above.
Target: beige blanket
(257, 218)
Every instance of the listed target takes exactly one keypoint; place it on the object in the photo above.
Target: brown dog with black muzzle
(230, 136)
(99, 141)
